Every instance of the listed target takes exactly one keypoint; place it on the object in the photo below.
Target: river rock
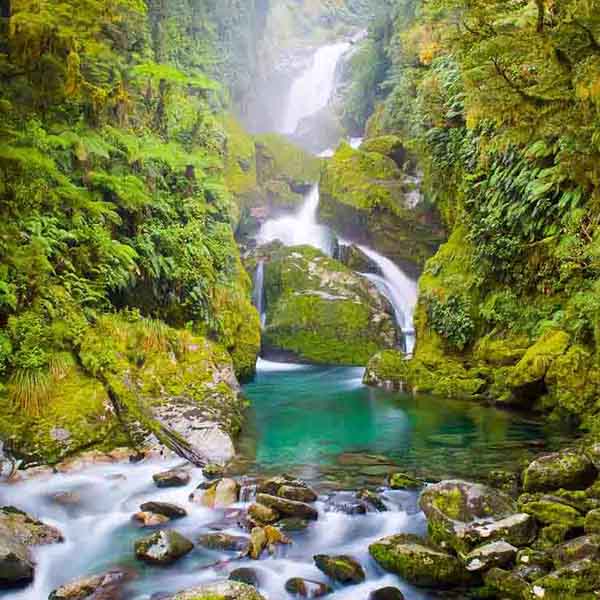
(275, 537)
(291, 508)
(586, 546)
(150, 519)
(419, 562)
(106, 586)
(518, 529)
(213, 471)
(372, 499)
(494, 554)
(162, 547)
(258, 542)
(568, 469)
(579, 579)
(171, 478)
(352, 507)
(342, 568)
(386, 593)
(592, 521)
(301, 494)
(593, 453)
(226, 590)
(16, 563)
(506, 583)
(66, 498)
(293, 524)
(19, 526)
(548, 512)
(245, 575)
(306, 588)
(173, 511)
(402, 481)
(220, 494)
(224, 542)
(263, 514)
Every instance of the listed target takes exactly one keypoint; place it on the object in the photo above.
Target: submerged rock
(171, 478)
(386, 593)
(290, 508)
(162, 547)
(342, 568)
(568, 469)
(306, 588)
(292, 524)
(106, 586)
(226, 590)
(372, 499)
(419, 562)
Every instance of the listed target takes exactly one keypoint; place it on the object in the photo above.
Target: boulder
(290, 508)
(351, 507)
(494, 554)
(507, 584)
(271, 486)
(386, 593)
(342, 568)
(548, 512)
(104, 587)
(275, 537)
(419, 562)
(21, 527)
(162, 547)
(213, 471)
(402, 481)
(592, 521)
(293, 524)
(568, 469)
(16, 563)
(258, 542)
(224, 542)
(305, 588)
(173, 511)
(150, 519)
(518, 529)
(229, 590)
(593, 453)
(245, 575)
(579, 579)
(301, 494)
(221, 494)
(586, 546)
(263, 514)
(372, 499)
(171, 478)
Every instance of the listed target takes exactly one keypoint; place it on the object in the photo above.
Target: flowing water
(258, 291)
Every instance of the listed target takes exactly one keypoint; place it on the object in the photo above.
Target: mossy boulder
(162, 547)
(577, 580)
(289, 508)
(592, 522)
(419, 562)
(548, 512)
(222, 590)
(16, 563)
(343, 569)
(25, 529)
(319, 311)
(104, 585)
(387, 145)
(494, 554)
(568, 469)
(586, 546)
(364, 196)
(506, 584)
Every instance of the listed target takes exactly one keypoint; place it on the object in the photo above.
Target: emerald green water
(322, 423)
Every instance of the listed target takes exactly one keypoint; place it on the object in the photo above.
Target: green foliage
(452, 320)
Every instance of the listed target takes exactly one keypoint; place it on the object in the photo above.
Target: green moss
(387, 145)
(240, 158)
(554, 513)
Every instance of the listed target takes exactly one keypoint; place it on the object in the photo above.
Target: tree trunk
(5, 14)
(541, 15)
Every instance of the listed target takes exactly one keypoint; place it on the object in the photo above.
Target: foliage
(452, 320)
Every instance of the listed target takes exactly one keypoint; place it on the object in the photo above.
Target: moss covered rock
(577, 580)
(387, 145)
(222, 590)
(567, 469)
(320, 311)
(162, 547)
(419, 562)
(506, 584)
(342, 568)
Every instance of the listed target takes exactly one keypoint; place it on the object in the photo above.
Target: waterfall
(258, 291)
(313, 89)
(299, 228)
(399, 289)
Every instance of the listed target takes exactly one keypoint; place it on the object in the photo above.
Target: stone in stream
(494, 554)
(221, 494)
(306, 588)
(221, 590)
(341, 568)
(293, 524)
(275, 537)
(263, 514)
(245, 575)
(163, 547)
(419, 562)
(301, 494)
(16, 563)
(372, 499)
(21, 527)
(288, 487)
(352, 507)
(106, 586)
(258, 542)
(507, 584)
(173, 511)
(568, 469)
(579, 579)
(224, 542)
(150, 519)
(290, 508)
(213, 471)
(586, 546)
(171, 478)
(402, 481)
(386, 593)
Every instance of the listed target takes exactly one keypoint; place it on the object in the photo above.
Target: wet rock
(263, 514)
(275, 538)
(548, 512)
(494, 554)
(586, 546)
(301, 494)
(530, 573)
(506, 583)
(574, 580)
(224, 542)
(386, 593)
(16, 563)
(372, 499)
(290, 508)
(529, 556)
(593, 453)
(341, 568)
(19, 526)
(162, 547)
(518, 529)
(213, 471)
(220, 494)
(592, 521)
(568, 469)
(106, 586)
(293, 524)
(505, 481)
(419, 562)
(355, 507)
(245, 575)
(173, 511)
(172, 478)
(402, 481)
(226, 590)
(550, 536)
(305, 588)
(66, 498)
(150, 519)
(258, 542)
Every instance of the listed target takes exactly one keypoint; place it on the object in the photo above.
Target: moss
(499, 352)
(240, 158)
(387, 145)
(554, 513)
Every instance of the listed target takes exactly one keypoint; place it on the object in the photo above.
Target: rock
(494, 554)
(275, 537)
(518, 529)
(386, 593)
(554, 513)
(301, 494)
(592, 521)
(550, 536)
(372, 499)
(593, 453)
(290, 508)
(574, 580)
(213, 471)
(66, 498)
(263, 514)
(342, 568)
(568, 469)
(508, 584)
(222, 590)
(271, 486)
(220, 494)
(16, 563)
(505, 481)
(305, 588)
(293, 524)
(354, 258)
(355, 507)
(172, 478)
(149, 519)
(258, 542)
(173, 511)
(402, 481)
(162, 547)
(528, 557)
(530, 573)
(224, 542)
(105, 586)
(19, 526)
(419, 562)
(586, 546)
(245, 575)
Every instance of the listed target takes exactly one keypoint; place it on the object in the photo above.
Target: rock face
(343, 569)
(318, 310)
(224, 590)
(162, 547)
(419, 562)
(568, 469)
(106, 585)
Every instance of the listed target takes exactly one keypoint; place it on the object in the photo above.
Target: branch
(590, 34)
(536, 100)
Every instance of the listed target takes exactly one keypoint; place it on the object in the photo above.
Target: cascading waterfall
(312, 91)
(258, 290)
(299, 228)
